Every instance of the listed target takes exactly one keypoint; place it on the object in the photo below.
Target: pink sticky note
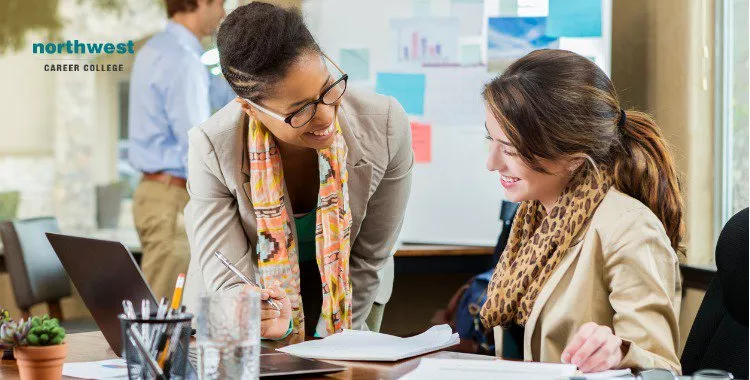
(421, 141)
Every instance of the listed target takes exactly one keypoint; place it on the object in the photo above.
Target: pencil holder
(156, 348)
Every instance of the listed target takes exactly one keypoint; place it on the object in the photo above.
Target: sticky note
(471, 54)
(579, 18)
(421, 142)
(356, 63)
(408, 89)
(508, 8)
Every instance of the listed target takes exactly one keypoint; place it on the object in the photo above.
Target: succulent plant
(14, 334)
(4, 315)
(45, 331)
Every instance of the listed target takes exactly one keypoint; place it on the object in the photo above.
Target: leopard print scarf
(536, 246)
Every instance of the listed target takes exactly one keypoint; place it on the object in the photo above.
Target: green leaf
(32, 339)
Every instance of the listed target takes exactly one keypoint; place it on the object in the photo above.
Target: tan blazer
(621, 272)
(220, 215)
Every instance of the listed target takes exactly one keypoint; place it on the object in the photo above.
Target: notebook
(461, 369)
(457, 369)
(372, 346)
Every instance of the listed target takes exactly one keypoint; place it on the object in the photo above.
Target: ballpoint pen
(145, 314)
(244, 278)
(138, 341)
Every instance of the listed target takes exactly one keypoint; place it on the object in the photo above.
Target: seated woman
(300, 182)
(590, 275)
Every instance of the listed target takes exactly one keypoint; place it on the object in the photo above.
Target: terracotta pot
(42, 362)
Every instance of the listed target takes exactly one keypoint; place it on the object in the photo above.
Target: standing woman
(300, 182)
(590, 275)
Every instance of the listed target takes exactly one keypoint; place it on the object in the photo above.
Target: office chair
(35, 271)
(719, 336)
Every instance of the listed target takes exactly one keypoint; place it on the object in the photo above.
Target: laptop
(105, 273)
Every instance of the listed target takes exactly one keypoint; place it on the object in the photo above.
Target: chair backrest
(9, 204)
(507, 214)
(108, 200)
(719, 335)
(35, 271)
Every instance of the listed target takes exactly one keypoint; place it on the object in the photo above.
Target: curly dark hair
(257, 43)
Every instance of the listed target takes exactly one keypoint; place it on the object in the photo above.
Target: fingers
(578, 340)
(606, 357)
(247, 289)
(593, 348)
(266, 314)
(274, 292)
(593, 343)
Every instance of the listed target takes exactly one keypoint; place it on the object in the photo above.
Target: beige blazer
(621, 272)
(220, 214)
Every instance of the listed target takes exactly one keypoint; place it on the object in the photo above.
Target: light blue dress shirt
(171, 91)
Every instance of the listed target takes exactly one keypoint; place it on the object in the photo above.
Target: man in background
(170, 92)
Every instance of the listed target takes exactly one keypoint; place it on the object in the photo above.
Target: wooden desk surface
(416, 250)
(92, 346)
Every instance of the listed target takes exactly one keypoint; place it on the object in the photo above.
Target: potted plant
(38, 345)
(7, 352)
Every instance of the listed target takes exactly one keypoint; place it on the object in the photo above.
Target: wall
(27, 101)
(661, 64)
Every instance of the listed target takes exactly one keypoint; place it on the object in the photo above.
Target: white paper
(461, 369)
(372, 346)
(457, 369)
(605, 374)
(104, 369)
(453, 96)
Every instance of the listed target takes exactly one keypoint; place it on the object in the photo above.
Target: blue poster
(576, 18)
(514, 37)
(408, 89)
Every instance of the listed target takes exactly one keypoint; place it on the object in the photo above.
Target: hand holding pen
(245, 279)
(276, 310)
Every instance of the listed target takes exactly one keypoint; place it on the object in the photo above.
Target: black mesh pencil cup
(156, 348)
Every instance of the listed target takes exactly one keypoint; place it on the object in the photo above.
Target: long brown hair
(554, 104)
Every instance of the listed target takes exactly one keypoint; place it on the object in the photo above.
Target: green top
(306, 236)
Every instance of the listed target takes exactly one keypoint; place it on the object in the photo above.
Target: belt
(165, 178)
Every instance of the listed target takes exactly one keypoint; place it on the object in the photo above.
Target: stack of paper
(461, 369)
(372, 346)
(457, 369)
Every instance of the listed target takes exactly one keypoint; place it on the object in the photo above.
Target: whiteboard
(454, 198)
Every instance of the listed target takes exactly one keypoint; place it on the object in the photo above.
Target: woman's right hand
(274, 324)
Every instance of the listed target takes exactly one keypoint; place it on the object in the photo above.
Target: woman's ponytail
(645, 170)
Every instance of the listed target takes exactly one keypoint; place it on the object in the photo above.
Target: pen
(135, 337)
(160, 313)
(176, 303)
(244, 278)
(127, 306)
(145, 314)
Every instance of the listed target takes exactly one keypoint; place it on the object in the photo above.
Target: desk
(92, 346)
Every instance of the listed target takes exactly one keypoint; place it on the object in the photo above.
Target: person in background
(170, 92)
(590, 274)
(301, 181)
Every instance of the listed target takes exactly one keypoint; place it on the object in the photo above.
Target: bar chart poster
(430, 41)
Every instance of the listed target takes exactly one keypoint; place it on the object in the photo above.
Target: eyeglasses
(304, 114)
